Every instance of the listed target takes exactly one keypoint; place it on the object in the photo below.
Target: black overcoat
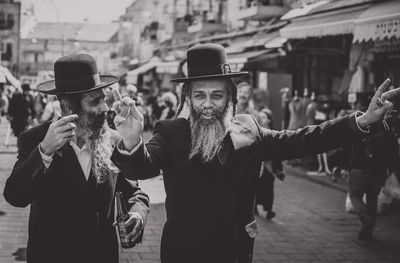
(70, 217)
(210, 205)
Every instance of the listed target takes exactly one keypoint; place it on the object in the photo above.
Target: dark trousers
(265, 191)
(368, 182)
(210, 253)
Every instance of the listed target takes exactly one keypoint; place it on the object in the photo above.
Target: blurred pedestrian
(169, 104)
(65, 173)
(244, 98)
(52, 110)
(269, 170)
(211, 161)
(368, 162)
(20, 110)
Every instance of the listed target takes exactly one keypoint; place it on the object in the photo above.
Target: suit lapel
(71, 160)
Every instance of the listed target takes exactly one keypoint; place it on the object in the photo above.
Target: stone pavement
(311, 226)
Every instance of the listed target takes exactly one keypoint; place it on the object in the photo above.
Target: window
(6, 20)
(6, 51)
(3, 20)
(10, 21)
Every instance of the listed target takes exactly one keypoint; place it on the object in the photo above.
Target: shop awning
(237, 61)
(161, 67)
(338, 22)
(380, 21)
(132, 76)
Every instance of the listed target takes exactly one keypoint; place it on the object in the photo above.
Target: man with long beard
(211, 161)
(65, 173)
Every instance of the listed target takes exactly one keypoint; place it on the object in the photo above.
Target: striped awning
(337, 22)
(381, 21)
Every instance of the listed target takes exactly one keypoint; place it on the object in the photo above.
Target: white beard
(208, 134)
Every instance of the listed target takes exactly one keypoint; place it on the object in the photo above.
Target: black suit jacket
(66, 223)
(211, 204)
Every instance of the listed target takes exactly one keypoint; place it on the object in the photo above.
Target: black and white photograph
(200, 131)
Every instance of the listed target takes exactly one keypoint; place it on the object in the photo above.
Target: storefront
(378, 30)
(320, 47)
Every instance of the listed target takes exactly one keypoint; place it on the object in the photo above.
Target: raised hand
(128, 121)
(380, 104)
(59, 133)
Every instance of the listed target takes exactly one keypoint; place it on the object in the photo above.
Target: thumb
(387, 106)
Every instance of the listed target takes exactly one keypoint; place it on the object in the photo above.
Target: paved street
(311, 225)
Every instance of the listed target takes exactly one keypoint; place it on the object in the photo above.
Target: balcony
(260, 12)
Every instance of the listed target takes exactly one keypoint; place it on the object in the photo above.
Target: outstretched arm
(331, 134)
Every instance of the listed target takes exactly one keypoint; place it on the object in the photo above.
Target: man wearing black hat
(211, 160)
(65, 173)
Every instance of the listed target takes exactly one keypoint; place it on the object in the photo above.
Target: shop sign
(387, 29)
(380, 30)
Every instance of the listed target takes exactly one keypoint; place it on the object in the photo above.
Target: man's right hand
(59, 133)
(128, 121)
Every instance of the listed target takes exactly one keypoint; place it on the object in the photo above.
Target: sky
(101, 11)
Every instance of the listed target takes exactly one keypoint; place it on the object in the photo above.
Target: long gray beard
(101, 146)
(101, 150)
(207, 135)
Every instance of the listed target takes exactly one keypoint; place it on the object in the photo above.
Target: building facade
(10, 13)
(48, 41)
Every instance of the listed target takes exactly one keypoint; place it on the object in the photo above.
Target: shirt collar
(76, 148)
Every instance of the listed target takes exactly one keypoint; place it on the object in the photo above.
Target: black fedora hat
(207, 61)
(75, 74)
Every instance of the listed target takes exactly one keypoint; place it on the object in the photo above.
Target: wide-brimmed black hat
(207, 61)
(75, 74)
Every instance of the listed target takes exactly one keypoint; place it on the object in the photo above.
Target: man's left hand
(135, 222)
(379, 105)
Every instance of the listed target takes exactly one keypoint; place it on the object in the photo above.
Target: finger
(118, 120)
(382, 88)
(387, 106)
(234, 127)
(67, 133)
(116, 94)
(136, 229)
(390, 94)
(127, 101)
(66, 127)
(58, 115)
(117, 107)
(124, 110)
(66, 119)
(134, 111)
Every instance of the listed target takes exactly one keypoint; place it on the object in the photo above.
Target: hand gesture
(134, 226)
(128, 121)
(59, 133)
(241, 132)
(135, 222)
(379, 105)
